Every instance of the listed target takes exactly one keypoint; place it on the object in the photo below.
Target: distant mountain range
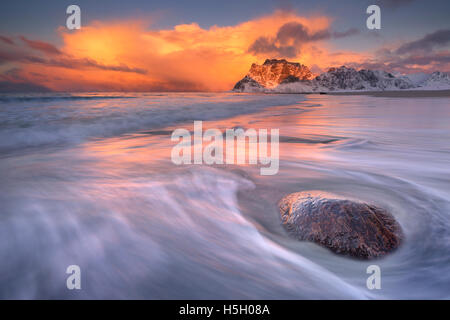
(281, 76)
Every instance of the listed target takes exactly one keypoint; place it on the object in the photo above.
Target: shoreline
(397, 94)
(392, 94)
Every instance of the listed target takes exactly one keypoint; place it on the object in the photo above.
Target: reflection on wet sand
(140, 226)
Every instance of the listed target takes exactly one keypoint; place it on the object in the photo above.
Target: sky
(199, 45)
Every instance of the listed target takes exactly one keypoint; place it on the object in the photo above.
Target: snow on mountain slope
(415, 78)
(348, 79)
(436, 81)
(288, 77)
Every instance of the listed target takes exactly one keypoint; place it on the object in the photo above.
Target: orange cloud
(128, 56)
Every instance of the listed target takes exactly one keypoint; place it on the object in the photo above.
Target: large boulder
(344, 226)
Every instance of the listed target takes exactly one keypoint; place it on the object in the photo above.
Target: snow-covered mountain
(344, 79)
(435, 81)
(283, 76)
(415, 78)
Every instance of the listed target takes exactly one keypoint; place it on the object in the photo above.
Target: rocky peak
(276, 61)
(273, 72)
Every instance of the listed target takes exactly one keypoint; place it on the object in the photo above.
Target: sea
(87, 179)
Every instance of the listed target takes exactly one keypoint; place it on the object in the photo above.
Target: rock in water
(345, 227)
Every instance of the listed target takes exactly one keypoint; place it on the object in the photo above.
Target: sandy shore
(399, 94)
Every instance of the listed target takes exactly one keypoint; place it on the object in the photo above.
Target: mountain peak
(280, 75)
(275, 61)
(272, 73)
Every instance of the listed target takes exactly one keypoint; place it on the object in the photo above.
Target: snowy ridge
(436, 81)
(281, 76)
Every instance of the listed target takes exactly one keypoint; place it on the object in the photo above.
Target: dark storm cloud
(265, 45)
(348, 33)
(45, 47)
(291, 36)
(64, 62)
(299, 33)
(6, 56)
(438, 38)
(426, 54)
(72, 63)
(434, 61)
(435, 58)
(7, 40)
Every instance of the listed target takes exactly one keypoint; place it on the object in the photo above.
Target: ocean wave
(59, 97)
(173, 235)
(54, 120)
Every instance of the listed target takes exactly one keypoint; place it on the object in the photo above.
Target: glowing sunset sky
(209, 45)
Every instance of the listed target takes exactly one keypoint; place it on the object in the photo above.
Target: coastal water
(88, 180)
